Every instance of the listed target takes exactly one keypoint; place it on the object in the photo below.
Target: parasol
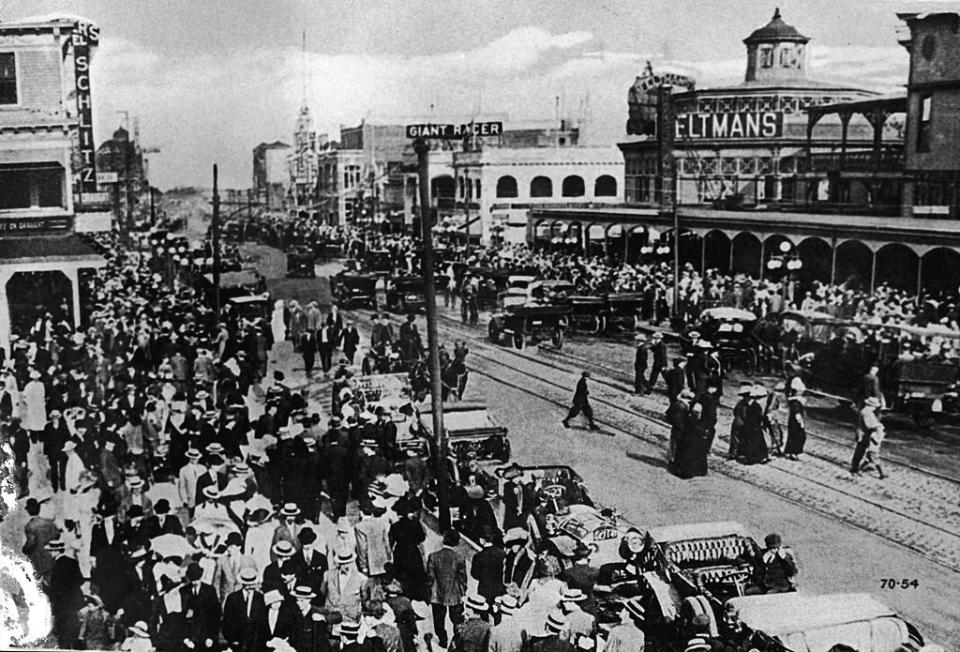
(171, 545)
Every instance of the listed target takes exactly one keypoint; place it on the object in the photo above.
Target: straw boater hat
(695, 644)
(555, 622)
(211, 492)
(55, 545)
(573, 595)
(349, 631)
(477, 603)
(507, 604)
(290, 510)
(345, 557)
(248, 577)
(69, 446)
(283, 549)
(758, 391)
(193, 454)
(303, 593)
(135, 482)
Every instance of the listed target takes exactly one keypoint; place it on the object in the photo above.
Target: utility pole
(676, 240)
(215, 243)
(422, 148)
(153, 209)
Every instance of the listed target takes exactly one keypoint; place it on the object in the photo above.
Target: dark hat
(135, 511)
(349, 630)
(194, 572)
(772, 540)
(278, 375)
(234, 539)
(512, 471)
(289, 567)
(306, 536)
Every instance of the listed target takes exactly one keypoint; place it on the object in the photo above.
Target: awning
(48, 248)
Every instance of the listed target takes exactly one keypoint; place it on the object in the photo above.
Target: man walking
(447, 574)
(868, 428)
(659, 351)
(581, 403)
(640, 385)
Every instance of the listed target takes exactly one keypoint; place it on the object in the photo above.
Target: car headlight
(936, 406)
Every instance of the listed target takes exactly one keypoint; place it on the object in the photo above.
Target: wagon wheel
(493, 332)
(924, 419)
(557, 338)
(518, 341)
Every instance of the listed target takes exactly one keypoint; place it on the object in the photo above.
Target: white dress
(258, 543)
(277, 324)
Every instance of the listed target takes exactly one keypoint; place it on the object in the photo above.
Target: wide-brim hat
(512, 471)
(758, 392)
(290, 509)
(477, 603)
(507, 604)
(193, 454)
(214, 448)
(139, 628)
(474, 491)
(35, 375)
(211, 492)
(55, 545)
(240, 468)
(346, 557)
(573, 595)
(69, 446)
(872, 401)
(696, 643)
(135, 482)
(515, 535)
(349, 630)
(248, 577)
(272, 597)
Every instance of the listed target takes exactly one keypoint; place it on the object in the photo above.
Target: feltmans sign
(450, 131)
(729, 125)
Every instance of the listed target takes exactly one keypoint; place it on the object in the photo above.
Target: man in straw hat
(473, 633)
(579, 622)
(64, 591)
(870, 434)
(628, 635)
(280, 620)
(552, 638)
(640, 383)
(241, 609)
(507, 634)
(344, 588)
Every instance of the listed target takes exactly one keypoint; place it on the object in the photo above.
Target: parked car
(527, 323)
(406, 293)
(300, 263)
(352, 288)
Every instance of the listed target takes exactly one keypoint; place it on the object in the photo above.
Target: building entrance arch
(853, 266)
(746, 254)
(940, 271)
(716, 251)
(816, 254)
(30, 295)
(896, 265)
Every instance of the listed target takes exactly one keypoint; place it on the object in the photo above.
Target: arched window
(506, 187)
(573, 186)
(461, 187)
(605, 186)
(541, 187)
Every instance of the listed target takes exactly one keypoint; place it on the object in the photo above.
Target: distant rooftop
(776, 30)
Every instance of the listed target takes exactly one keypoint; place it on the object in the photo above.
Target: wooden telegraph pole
(422, 148)
(421, 145)
(215, 243)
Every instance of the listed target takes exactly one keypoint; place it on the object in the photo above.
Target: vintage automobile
(378, 261)
(834, 355)
(583, 314)
(715, 560)
(300, 263)
(352, 288)
(816, 623)
(552, 290)
(406, 293)
(624, 312)
(730, 331)
(519, 291)
(251, 307)
(234, 284)
(527, 323)
(471, 432)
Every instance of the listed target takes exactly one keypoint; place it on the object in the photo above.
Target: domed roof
(776, 30)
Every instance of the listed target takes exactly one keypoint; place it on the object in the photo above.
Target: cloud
(204, 109)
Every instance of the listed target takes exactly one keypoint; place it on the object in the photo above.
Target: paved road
(628, 473)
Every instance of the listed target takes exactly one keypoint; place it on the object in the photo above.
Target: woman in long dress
(796, 428)
(277, 323)
(406, 536)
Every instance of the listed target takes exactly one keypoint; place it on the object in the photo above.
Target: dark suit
(582, 576)
(487, 569)
(581, 403)
(287, 627)
(518, 503)
(447, 574)
(171, 525)
(659, 362)
(311, 573)
(203, 615)
(640, 370)
(237, 625)
(205, 481)
(676, 379)
(349, 341)
(40, 531)
(314, 633)
(66, 599)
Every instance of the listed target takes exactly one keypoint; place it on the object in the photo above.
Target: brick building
(48, 187)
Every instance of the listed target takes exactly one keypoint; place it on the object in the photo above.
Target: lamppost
(787, 263)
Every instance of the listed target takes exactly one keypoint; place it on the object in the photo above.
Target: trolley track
(925, 536)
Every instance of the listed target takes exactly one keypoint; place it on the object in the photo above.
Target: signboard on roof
(454, 132)
(720, 126)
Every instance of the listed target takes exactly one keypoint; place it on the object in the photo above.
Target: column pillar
(763, 250)
(703, 254)
(919, 274)
(626, 243)
(730, 268)
(71, 273)
(873, 270)
(833, 261)
(4, 313)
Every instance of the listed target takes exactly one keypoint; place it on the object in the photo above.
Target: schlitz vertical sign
(85, 36)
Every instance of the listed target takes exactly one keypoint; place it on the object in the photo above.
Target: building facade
(341, 182)
(303, 161)
(271, 174)
(121, 171)
(745, 144)
(932, 154)
(48, 184)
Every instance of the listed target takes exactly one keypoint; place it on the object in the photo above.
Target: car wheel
(494, 332)
(518, 341)
(557, 338)
(595, 325)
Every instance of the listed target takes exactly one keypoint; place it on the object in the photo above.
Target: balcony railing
(890, 159)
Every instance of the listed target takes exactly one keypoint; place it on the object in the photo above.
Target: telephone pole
(422, 148)
(215, 243)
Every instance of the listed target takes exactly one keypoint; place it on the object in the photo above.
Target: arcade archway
(716, 252)
(896, 266)
(816, 256)
(940, 271)
(745, 254)
(854, 265)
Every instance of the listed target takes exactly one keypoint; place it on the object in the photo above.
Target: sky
(210, 79)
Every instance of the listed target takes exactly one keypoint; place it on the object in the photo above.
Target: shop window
(605, 186)
(8, 78)
(14, 189)
(766, 56)
(541, 187)
(923, 125)
(506, 187)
